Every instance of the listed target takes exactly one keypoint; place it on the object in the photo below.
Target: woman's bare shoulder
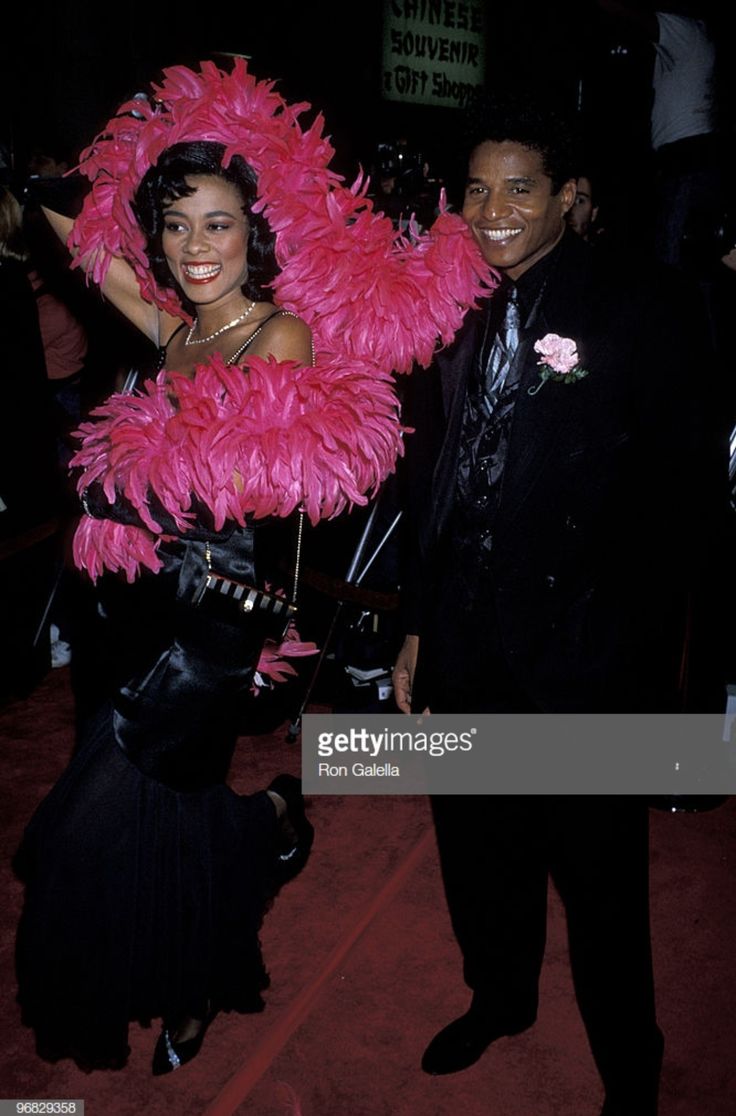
(285, 337)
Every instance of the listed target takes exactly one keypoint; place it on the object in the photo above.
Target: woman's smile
(201, 272)
(205, 241)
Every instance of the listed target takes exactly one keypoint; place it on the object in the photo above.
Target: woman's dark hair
(166, 181)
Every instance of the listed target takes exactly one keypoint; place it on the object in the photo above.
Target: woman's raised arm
(121, 288)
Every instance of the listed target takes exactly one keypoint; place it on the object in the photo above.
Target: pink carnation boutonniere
(559, 361)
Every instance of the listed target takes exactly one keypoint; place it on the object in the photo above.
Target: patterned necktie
(489, 408)
(502, 354)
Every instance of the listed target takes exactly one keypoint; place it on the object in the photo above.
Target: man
(583, 214)
(684, 119)
(555, 528)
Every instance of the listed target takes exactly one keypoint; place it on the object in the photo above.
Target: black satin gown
(146, 876)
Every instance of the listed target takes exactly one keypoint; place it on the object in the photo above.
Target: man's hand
(403, 675)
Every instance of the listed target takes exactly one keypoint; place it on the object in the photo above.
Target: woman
(146, 876)
(172, 724)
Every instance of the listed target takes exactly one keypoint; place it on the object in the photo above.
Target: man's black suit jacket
(614, 496)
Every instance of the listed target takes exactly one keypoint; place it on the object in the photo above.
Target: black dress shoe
(461, 1043)
(646, 1107)
(610, 1109)
(297, 833)
(169, 1055)
(635, 1090)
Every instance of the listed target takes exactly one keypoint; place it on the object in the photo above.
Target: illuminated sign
(433, 51)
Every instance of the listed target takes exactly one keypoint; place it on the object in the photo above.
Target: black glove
(97, 505)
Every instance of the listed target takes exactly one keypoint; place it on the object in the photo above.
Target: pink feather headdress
(321, 437)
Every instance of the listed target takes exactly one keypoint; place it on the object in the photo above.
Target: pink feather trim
(363, 291)
(271, 664)
(282, 436)
(260, 441)
(101, 544)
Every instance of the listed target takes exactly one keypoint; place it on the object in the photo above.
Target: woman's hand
(121, 288)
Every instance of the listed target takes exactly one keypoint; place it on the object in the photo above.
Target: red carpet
(364, 970)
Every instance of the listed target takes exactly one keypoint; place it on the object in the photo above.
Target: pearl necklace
(189, 340)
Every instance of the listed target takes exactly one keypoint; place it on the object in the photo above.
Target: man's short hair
(497, 119)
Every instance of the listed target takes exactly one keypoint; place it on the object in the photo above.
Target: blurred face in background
(583, 212)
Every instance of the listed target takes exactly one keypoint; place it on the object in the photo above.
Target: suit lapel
(455, 366)
(456, 362)
(540, 420)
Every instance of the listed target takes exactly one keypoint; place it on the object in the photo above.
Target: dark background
(71, 63)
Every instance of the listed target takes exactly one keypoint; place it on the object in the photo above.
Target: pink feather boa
(365, 292)
(280, 436)
(257, 444)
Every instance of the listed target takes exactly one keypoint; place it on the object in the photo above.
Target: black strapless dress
(146, 876)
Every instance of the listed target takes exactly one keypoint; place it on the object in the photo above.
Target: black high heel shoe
(169, 1055)
(297, 832)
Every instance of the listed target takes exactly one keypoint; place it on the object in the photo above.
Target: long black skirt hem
(142, 902)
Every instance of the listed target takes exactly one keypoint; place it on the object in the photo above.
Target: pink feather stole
(256, 441)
